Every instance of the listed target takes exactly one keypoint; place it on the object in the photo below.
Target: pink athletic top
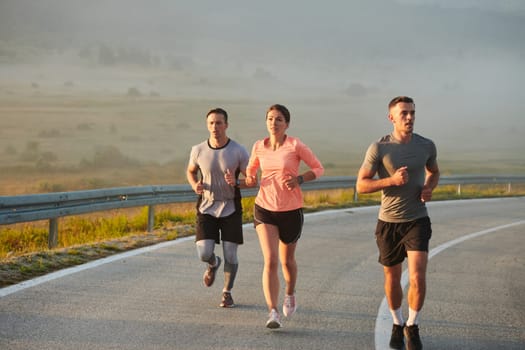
(276, 166)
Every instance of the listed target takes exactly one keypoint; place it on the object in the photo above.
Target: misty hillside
(336, 63)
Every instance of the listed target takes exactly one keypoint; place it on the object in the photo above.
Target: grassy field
(95, 142)
(63, 140)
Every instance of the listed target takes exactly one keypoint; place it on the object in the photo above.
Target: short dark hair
(399, 99)
(284, 111)
(218, 111)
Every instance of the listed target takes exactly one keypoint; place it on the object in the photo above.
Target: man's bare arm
(192, 175)
(367, 184)
(431, 181)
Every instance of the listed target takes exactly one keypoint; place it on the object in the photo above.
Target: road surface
(154, 298)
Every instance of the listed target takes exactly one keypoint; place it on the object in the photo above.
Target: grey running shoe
(274, 321)
(289, 305)
(413, 340)
(227, 300)
(209, 274)
(397, 337)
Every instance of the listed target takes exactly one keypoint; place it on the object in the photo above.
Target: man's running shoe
(209, 274)
(413, 340)
(397, 337)
(227, 300)
(289, 305)
(274, 321)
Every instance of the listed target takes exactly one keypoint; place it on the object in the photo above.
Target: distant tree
(356, 90)
(51, 133)
(106, 56)
(10, 150)
(45, 159)
(31, 152)
(183, 126)
(84, 126)
(32, 146)
(263, 74)
(134, 56)
(48, 156)
(108, 157)
(85, 53)
(134, 92)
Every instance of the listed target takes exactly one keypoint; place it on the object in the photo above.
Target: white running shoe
(274, 321)
(289, 305)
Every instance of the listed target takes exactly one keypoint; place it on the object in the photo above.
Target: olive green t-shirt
(401, 203)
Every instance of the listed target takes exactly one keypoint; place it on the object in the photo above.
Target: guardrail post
(509, 188)
(356, 199)
(151, 217)
(52, 238)
(459, 190)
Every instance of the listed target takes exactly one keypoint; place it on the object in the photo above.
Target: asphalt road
(154, 298)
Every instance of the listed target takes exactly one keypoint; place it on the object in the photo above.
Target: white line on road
(384, 318)
(62, 273)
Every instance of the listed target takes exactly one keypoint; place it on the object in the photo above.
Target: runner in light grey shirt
(213, 173)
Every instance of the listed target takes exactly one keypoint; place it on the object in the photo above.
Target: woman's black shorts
(289, 223)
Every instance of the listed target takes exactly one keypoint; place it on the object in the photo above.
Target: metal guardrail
(51, 206)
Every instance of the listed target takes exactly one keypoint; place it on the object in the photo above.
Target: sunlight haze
(335, 64)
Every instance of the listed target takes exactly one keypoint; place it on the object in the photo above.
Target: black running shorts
(395, 239)
(289, 223)
(228, 228)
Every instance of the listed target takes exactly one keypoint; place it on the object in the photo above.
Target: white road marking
(384, 318)
(71, 270)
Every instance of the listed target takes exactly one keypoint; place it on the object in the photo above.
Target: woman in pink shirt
(278, 213)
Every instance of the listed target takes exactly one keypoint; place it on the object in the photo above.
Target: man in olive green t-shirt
(408, 172)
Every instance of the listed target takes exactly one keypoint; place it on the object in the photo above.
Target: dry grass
(178, 222)
(117, 141)
(54, 140)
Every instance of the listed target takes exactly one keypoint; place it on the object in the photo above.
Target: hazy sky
(356, 45)
(462, 60)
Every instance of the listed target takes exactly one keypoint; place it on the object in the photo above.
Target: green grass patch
(178, 221)
(24, 253)
(22, 240)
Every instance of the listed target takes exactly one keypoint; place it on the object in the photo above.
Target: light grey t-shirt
(218, 198)
(401, 203)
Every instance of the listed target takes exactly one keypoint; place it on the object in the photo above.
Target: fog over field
(335, 64)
